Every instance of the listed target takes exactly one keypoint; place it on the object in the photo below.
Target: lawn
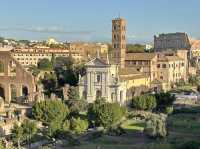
(133, 125)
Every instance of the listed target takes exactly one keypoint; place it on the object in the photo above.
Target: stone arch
(2, 92)
(25, 90)
(2, 67)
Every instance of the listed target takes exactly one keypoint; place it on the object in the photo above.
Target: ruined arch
(25, 90)
(2, 92)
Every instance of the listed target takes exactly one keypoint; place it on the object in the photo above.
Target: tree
(135, 48)
(105, 114)
(17, 133)
(35, 71)
(144, 102)
(73, 93)
(50, 83)
(45, 64)
(50, 110)
(164, 100)
(78, 126)
(29, 129)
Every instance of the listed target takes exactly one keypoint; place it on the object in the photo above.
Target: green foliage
(135, 48)
(45, 64)
(50, 110)
(164, 100)
(73, 93)
(156, 127)
(35, 71)
(25, 131)
(29, 128)
(169, 110)
(76, 106)
(194, 80)
(78, 126)
(105, 114)
(17, 134)
(144, 102)
(49, 82)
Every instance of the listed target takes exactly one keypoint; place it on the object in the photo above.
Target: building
(123, 75)
(174, 41)
(143, 62)
(111, 82)
(87, 49)
(119, 41)
(27, 57)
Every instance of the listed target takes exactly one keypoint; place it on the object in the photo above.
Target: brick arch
(19, 78)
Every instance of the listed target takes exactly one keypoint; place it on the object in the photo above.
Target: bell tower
(119, 41)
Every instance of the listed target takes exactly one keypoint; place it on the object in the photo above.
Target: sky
(90, 20)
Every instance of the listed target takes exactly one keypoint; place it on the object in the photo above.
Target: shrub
(76, 106)
(78, 126)
(156, 127)
(144, 102)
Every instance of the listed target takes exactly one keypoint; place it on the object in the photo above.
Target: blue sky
(90, 20)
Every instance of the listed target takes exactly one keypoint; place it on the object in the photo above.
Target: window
(98, 78)
(98, 94)
(164, 65)
(158, 66)
(161, 77)
(183, 64)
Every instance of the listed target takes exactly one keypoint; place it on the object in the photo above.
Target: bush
(156, 127)
(105, 114)
(78, 126)
(164, 100)
(76, 106)
(144, 102)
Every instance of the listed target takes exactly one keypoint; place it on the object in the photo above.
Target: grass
(133, 126)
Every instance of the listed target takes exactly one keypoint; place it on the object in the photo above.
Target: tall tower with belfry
(119, 41)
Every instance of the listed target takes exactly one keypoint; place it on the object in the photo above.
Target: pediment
(96, 62)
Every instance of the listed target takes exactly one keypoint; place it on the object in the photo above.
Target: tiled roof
(140, 56)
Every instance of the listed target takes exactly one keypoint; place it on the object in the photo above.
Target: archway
(24, 90)
(2, 92)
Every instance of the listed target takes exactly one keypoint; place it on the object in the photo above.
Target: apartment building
(31, 56)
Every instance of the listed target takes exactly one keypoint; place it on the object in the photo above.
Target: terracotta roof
(170, 58)
(140, 56)
(128, 71)
(138, 76)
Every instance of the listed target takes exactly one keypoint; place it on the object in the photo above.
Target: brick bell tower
(119, 41)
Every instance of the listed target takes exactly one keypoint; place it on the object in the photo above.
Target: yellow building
(30, 56)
